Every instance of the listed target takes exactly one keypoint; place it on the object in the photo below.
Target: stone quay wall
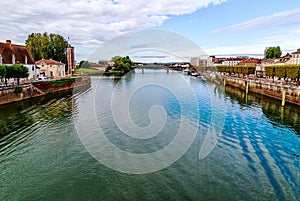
(9, 94)
(290, 94)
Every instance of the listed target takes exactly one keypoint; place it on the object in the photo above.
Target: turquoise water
(45, 153)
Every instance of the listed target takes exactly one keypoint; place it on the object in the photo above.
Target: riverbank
(284, 93)
(37, 89)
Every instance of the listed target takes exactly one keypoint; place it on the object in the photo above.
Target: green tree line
(47, 46)
(15, 71)
(245, 70)
(284, 71)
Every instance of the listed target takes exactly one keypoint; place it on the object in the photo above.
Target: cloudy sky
(217, 26)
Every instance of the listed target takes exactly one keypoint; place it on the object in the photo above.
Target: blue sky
(217, 26)
(223, 29)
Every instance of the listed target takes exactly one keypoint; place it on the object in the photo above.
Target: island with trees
(120, 66)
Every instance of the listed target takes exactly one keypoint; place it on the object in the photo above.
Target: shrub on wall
(18, 89)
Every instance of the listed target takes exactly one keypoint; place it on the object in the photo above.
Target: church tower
(71, 60)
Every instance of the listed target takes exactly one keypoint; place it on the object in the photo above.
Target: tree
(2, 71)
(16, 71)
(20, 71)
(84, 64)
(122, 63)
(270, 71)
(292, 71)
(273, 52)
(80, 63)
(44, 46)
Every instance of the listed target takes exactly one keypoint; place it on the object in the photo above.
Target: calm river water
(229, 148)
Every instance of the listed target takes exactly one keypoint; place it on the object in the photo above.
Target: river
(150, 135)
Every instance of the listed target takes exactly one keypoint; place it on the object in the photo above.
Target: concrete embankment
(10, 94)
(285, 93)
(14, 94)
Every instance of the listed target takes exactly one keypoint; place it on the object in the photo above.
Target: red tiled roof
(48, 62)
(7, 50)
(249, 62)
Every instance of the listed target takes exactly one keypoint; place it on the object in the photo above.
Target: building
(214, 61)
(101, 66)
(71, 60)
(11, 54)
(231, 61)
(284, 60)
(51, 68)
(296, 57)
(197, 61)
(267, 62)
(249, 62)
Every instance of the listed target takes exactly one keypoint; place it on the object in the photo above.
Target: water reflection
(21, 121)
(271, 108)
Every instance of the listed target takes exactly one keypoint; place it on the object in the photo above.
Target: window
(25, 59)
(0, 59)
(13, 60)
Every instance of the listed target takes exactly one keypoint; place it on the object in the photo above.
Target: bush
(18, 90)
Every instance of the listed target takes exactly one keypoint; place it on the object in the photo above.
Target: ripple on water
(40, 152)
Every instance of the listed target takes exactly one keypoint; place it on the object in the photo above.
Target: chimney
(8, 42)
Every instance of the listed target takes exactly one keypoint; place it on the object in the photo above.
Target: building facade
(11, 54)
(296, 57)
(284, 60)
(51, 68)
(197, 61)
(231, 61)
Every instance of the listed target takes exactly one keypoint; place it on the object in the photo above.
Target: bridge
(162, 66)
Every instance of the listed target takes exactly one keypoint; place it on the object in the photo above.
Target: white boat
(186, 71)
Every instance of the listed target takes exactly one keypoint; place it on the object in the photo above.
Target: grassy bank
(89, 71)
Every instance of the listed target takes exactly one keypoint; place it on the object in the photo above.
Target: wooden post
(247, 87)
(142, 70)
(167, 69)
(283, 97)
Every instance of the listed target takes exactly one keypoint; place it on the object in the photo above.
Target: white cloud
(291, 17)
(288, 42)
(89, 22)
